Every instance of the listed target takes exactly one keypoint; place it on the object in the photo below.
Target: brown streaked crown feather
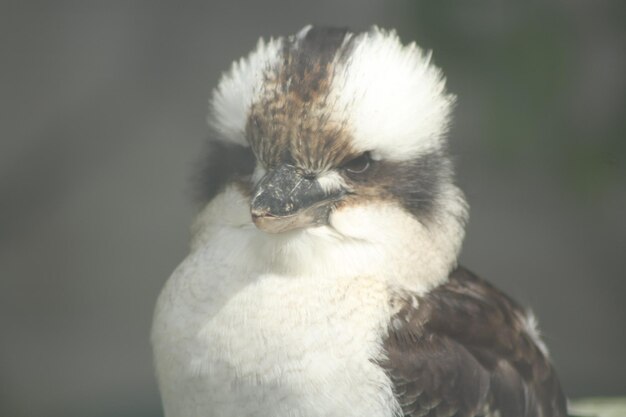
(291, 122)
(465, 351)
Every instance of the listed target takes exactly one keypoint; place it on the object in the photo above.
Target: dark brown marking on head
(307, 62)
(464, 350)
(291, 123)
(415, 184)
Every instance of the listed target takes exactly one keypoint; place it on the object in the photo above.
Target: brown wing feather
(465, 351)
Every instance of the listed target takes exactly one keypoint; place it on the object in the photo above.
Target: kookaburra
(322, 278)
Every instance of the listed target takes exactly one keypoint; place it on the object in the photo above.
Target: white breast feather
(253, 324)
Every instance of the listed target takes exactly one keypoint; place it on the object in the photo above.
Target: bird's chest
(288, 346)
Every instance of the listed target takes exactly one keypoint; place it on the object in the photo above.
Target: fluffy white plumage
(393, 98)
(239, 88)
(277, 325)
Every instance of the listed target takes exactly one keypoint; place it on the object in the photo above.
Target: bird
(322, 277)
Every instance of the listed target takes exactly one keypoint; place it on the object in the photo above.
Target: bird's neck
(380, 241)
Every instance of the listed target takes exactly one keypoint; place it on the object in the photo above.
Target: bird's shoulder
(467, 349)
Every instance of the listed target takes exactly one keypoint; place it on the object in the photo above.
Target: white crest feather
(239, 88)
(392, 97)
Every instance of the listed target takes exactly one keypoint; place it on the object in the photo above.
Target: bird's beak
(284, 200)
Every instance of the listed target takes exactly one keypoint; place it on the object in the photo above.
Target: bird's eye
(359, 164)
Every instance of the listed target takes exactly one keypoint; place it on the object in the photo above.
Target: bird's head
(345, 132)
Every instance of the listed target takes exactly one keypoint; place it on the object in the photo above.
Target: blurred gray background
(102, 121)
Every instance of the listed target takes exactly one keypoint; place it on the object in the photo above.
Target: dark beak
(285, 199)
